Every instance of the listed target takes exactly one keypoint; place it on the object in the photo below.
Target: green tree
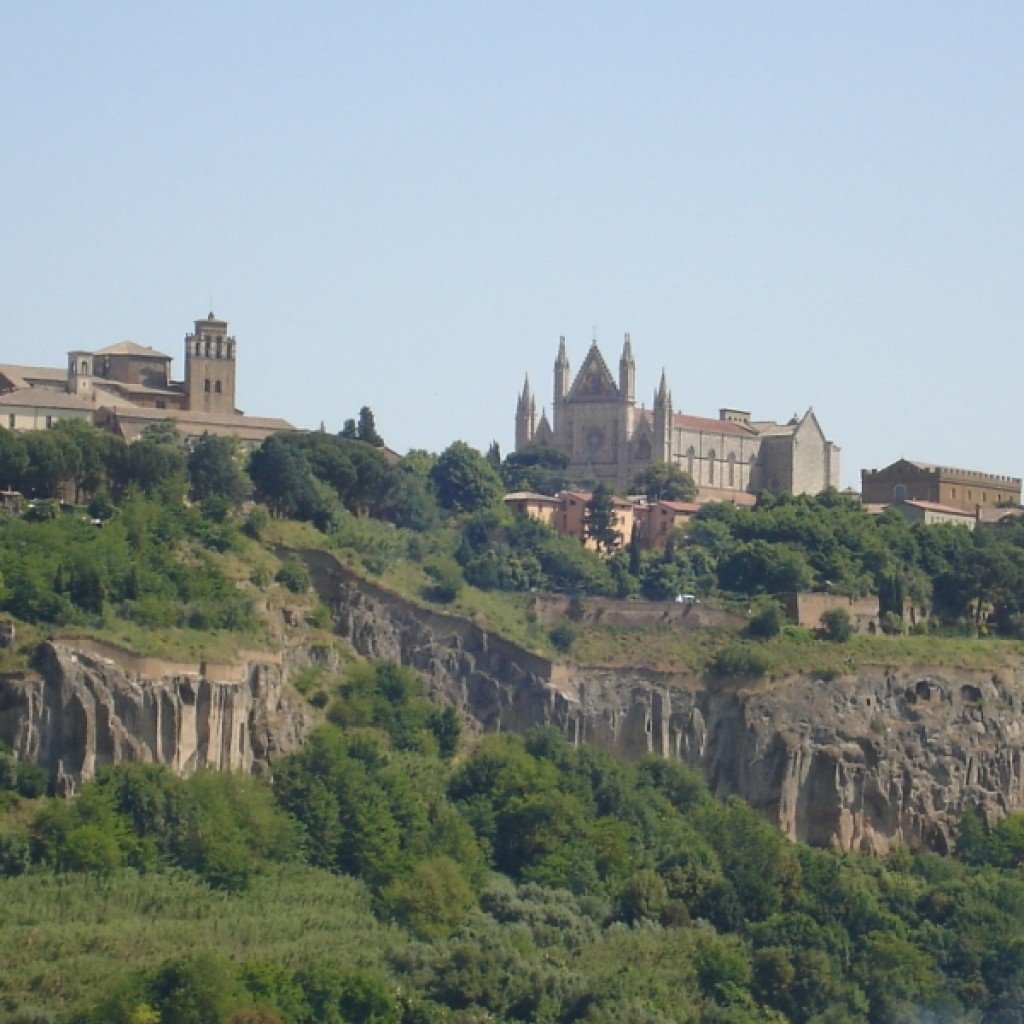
(282, 477)
(464, 480)
(215, 468)
(202, 988)
(536, 468)
(767, 620)
(600, 519)
(837, 624)
(366, 429)
(13, 459)
(664, 481)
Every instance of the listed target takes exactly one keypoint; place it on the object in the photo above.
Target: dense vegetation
(445, 512)
(389, 872)
(520, 881)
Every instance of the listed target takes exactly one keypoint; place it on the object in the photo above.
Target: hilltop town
(596, 424)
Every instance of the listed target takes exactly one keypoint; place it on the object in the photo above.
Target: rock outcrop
(874, 759)
(79, 711)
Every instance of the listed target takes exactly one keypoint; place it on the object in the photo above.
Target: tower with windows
(210, 367)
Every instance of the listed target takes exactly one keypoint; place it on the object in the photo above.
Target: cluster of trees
(828, 543)
(783, 544)
(153, 564)
(76, 460)
(539, 882)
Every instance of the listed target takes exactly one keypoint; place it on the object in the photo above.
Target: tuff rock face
(875, 759)
(80, 711)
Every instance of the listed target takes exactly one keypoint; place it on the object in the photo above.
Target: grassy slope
(65, 936)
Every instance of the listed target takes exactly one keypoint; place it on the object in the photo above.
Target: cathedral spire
(526, 416)
(627, 373)
(662, 422)
(662, 396)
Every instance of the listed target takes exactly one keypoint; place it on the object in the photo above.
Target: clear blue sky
(404, 206)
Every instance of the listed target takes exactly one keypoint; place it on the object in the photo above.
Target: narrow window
(216, 386)
(711, 466)
(10, 421)
(206, 385)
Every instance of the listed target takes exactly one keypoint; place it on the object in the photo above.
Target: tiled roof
(131, 422)
(680, 506)
(44, 398)
(131, 348)
(531, 496)
(933, 506)
(704, 424)
(20, 376)
(707, 425)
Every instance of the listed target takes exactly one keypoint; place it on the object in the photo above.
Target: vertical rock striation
(80, 712)
(872, 760)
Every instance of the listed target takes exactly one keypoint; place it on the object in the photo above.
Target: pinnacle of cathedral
(661, 396)
(627, 351)
(563, 359)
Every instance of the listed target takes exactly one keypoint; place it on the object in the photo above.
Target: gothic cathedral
(596, 422)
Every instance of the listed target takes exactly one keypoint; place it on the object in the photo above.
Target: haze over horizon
(404, 206)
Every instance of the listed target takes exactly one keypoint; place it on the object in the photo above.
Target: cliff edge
(875, 759)
(80, 710)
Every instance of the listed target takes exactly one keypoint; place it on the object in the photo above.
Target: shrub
(260, 578)
(256, 522)
(448, 581)
(739, 659)
(562, 636)
(294, 576)
(320, 617)
(891, 623)
(837, 625)
(766, 622)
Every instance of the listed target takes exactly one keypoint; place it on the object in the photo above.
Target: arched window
(207, 346)
(899, 492)
(732, 470)
(690, 453)
(85, 366)
(206, 385)
(711, 466)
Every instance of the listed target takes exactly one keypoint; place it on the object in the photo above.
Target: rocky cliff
(79, 711)
(878, 758)
(864, 762)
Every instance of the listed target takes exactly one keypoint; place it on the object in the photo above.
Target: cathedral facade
(595, 420)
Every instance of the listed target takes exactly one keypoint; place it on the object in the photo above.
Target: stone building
(127, 386)
(596, 422)
(965, 489)
(930, 513)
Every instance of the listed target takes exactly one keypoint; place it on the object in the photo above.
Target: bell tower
(210, 367)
